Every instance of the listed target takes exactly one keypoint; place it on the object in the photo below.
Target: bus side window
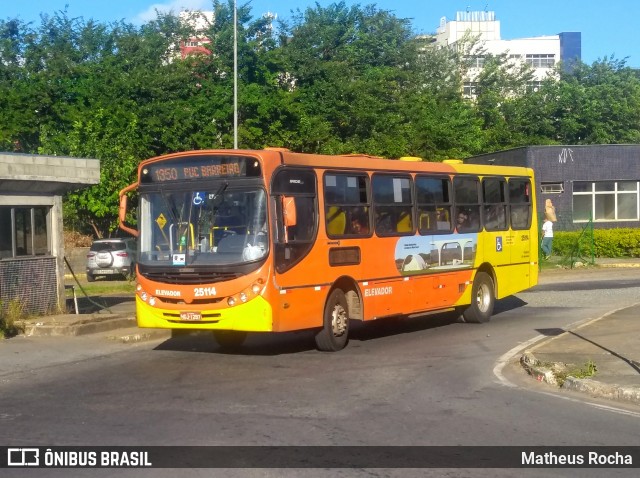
(520, 203)
(393, 204)
(467, 199)
(433, 195)
(294, 204)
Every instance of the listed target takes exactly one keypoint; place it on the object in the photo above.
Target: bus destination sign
(200, 167)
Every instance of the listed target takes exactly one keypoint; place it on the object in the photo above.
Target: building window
(23, 231)
(605, 201)
(469, 89)
(475, 61)
(533, 86)
(543, 60)
(551, 188)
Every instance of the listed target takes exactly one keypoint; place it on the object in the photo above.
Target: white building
(543, 53)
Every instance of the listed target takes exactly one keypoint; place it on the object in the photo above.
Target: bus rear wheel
(334, 334)
(229, 339)
(483, 299)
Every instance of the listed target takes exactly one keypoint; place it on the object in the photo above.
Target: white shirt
(547, 229)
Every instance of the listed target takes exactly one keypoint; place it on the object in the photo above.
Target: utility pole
(235, 74)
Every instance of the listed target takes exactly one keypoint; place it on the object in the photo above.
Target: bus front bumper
(253, 316)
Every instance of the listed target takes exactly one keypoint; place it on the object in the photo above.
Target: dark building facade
(570, 49)
(599, 182)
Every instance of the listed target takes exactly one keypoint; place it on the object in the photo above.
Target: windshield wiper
(219, 194)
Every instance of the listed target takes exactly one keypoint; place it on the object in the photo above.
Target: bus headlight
(144, 296)
(152, 301)
(249, 293)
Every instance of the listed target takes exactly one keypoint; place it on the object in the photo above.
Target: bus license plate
(190, 316)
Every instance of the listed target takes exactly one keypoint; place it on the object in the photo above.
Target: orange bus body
(368, 270)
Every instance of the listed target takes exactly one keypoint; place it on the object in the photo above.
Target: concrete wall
(30, 180)
(77, 258)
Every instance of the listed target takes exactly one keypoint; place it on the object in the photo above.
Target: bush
(607, 242)
(75, 239)
(10, 316)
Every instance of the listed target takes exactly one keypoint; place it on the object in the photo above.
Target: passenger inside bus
(462, 221)
(359, 223)
(359, 226)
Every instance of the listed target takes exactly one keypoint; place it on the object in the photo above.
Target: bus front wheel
(335, 330)
(482, 299)
(229, 339)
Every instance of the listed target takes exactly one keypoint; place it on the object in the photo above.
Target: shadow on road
(97, 303)
(268, 344)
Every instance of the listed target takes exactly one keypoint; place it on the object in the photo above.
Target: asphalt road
(426, 381)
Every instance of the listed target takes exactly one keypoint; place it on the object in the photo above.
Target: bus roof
(282, 156)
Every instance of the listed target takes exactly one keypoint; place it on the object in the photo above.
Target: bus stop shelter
(31, 226)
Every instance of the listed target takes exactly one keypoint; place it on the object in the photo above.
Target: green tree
(349, 67)
(596, 104)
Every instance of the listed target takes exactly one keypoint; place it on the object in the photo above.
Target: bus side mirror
(289, 211)
(122, 211)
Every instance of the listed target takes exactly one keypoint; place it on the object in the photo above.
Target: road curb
(82, 326)
(546, 372)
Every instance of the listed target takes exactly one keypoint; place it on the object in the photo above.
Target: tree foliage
(334, 79)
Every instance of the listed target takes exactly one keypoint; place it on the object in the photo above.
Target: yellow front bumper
(253, 316)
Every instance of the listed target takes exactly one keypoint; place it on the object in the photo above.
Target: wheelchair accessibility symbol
(499, 244)
(198, 199)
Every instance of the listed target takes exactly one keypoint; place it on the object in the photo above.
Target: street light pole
(235, 74)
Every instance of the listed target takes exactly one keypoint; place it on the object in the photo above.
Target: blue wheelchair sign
(198, 199)
(499, 244)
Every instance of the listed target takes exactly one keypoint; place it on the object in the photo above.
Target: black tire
(229, 339)
(334, 334)
(483, 298)
(90, 277)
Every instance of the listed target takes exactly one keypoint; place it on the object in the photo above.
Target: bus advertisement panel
(238, 241)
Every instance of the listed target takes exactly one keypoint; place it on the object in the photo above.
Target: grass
(11, 318)
(102, 287)
(589, 369)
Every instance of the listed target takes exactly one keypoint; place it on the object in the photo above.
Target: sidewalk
(118, 317)
(601, 357)
(608, 346)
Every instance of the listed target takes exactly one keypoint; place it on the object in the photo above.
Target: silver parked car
(109, 257)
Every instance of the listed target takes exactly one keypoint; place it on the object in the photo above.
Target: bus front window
(220, 226)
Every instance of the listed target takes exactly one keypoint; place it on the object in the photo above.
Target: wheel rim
(483, 298)
(339, 320)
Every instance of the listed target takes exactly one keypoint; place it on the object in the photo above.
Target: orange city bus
(237, 241)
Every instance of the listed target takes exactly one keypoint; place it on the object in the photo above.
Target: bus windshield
(196, 227)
